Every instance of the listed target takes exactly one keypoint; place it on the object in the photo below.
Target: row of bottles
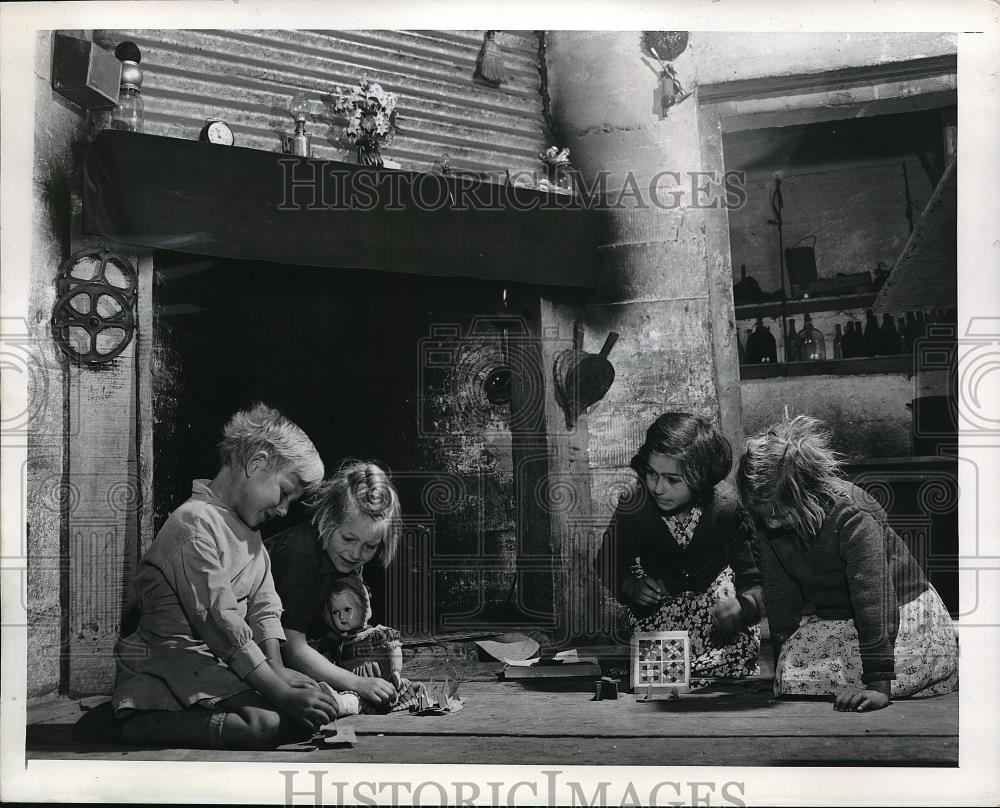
(892, 337)
(760, 347)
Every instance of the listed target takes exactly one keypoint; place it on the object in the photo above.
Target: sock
(347, 703)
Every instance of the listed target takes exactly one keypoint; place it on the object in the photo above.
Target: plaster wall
(867, 415)
(59, 132)
(857, 211)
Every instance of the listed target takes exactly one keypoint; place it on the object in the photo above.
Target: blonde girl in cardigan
(852, 615)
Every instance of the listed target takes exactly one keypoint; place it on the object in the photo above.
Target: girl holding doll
(355, 516)
(875, 627)
(678, 552)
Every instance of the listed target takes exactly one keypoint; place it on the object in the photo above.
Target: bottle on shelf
(859, 339)
(128, 115)
(889, 344)
(791, 343)
(901, 335)
(847, 341)
(770, 355)
(870, 340)
(761, 346)
(838, 342)
(812, 343)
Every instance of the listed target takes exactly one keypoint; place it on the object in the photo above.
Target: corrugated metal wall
(248, 77)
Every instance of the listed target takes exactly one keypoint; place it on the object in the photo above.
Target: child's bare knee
(251, 728)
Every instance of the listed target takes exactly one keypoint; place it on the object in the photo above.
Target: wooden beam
(106, 490)
(828, 80)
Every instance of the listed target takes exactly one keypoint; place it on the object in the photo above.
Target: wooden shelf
(773, 308)
(905, 460)
(901, 363)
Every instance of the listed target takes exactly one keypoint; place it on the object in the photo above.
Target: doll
(355, 645)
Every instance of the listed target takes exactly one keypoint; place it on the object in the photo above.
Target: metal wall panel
(248, 77)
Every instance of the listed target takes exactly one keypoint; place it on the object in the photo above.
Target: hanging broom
(489, 65)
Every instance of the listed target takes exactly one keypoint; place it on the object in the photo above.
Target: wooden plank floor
(514, 723)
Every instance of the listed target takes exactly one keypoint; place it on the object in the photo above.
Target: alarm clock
(217, 132)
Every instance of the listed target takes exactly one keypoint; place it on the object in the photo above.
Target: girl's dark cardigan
(857, 567)
(722, 538)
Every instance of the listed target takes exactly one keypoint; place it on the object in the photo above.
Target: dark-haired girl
(875, 627)
(677, 553)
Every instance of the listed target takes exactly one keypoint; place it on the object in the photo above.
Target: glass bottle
(871, 334)
(812, 343)
(889, 343)
(791, 343)
(128, 115)
(901, 335)
(770, 346)
(838, 343)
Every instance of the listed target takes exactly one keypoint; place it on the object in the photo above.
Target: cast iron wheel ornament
(104, 259)
(92, 303)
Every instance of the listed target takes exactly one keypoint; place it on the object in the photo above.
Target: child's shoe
(347, 703)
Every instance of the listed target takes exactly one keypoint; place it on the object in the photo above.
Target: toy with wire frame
(661, 664)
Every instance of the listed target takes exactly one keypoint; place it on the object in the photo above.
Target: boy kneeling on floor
(204, 667)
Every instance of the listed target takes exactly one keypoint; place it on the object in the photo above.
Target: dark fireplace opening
(410, 371)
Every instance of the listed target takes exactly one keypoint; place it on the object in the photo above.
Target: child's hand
(293, 678)
(308, 705)
(377, 691)
(644, 591)
(860, 701)
(368, 669)
(727, 616)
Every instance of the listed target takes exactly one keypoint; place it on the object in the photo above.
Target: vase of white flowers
(369, 152)
(371, 116)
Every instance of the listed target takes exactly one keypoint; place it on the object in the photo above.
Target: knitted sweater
(857, 567)
(721, 539)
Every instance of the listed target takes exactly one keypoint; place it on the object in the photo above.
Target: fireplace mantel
(226, 201)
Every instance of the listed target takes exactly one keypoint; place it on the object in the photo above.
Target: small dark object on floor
(606, 689)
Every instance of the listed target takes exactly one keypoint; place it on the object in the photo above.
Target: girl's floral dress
(692, 612)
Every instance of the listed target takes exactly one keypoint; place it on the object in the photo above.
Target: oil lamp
(299, 143)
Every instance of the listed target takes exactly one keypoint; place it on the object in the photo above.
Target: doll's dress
(356, 652)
